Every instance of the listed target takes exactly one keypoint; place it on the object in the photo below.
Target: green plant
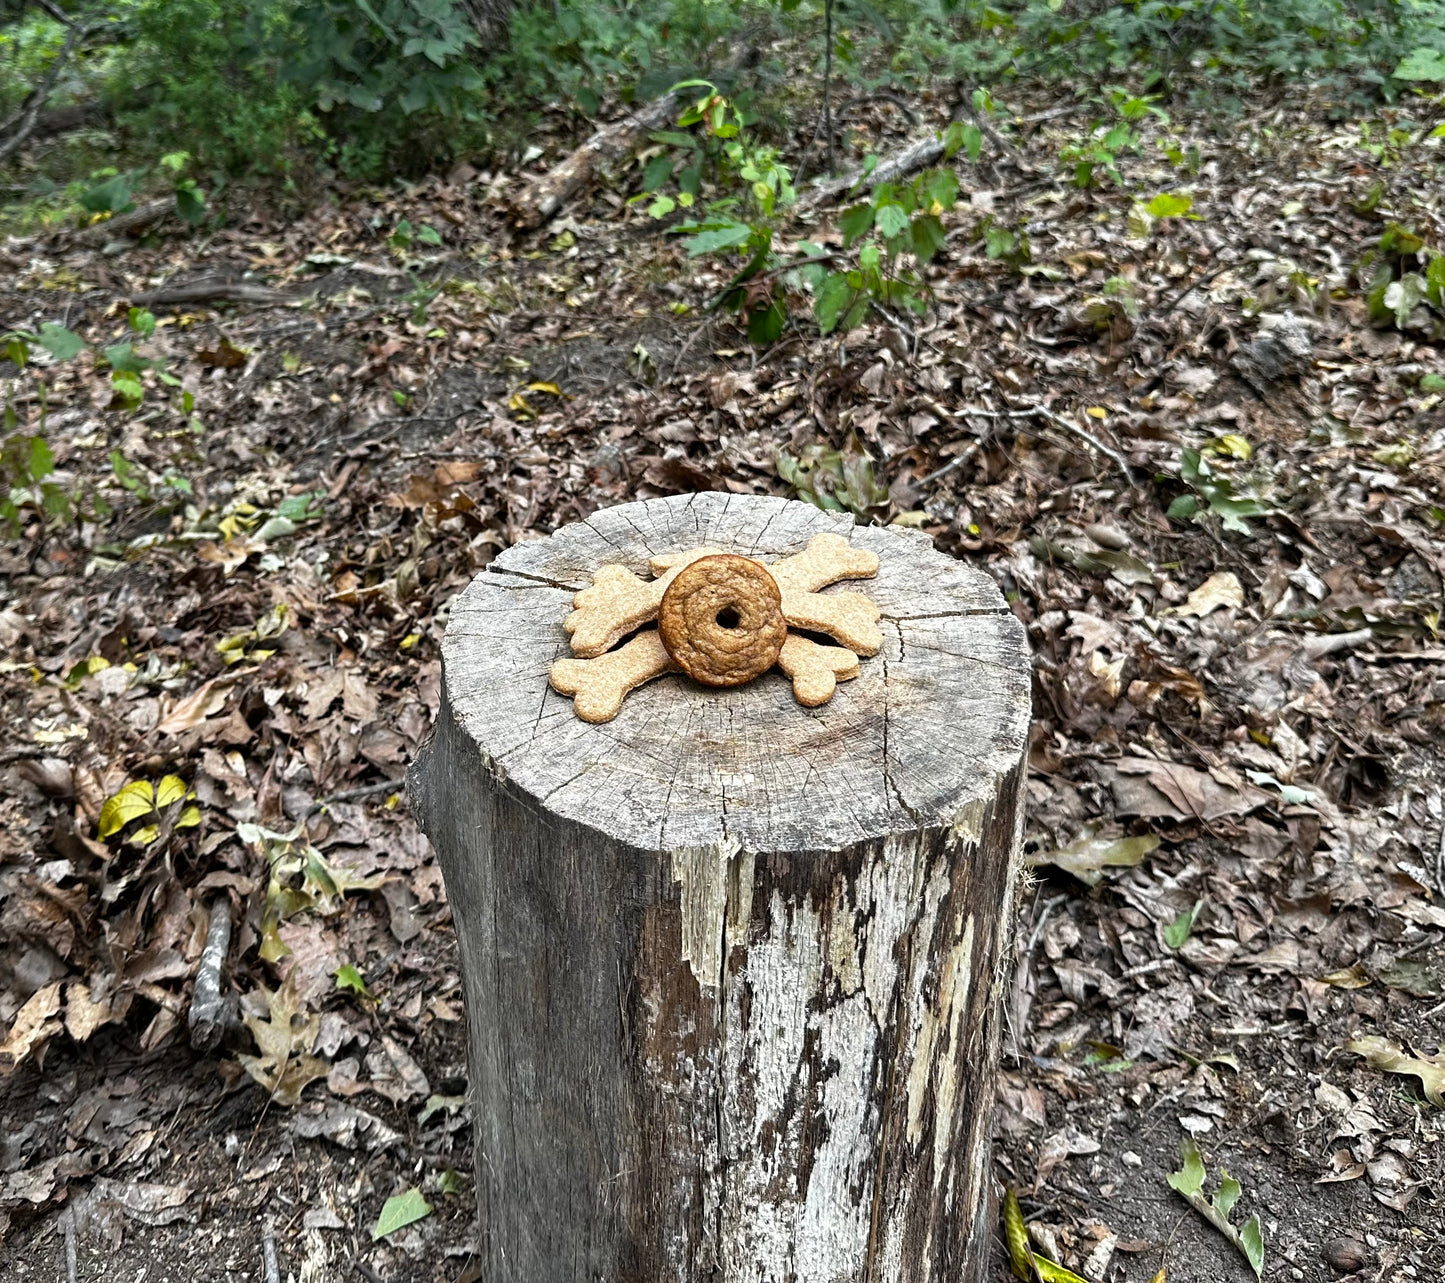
(1247, 1239)
(1004, 244)
(26, 461)
(753, 187)
(404, 235)
(898, 220)
(1403, 273)
(1213, 491)
(1098, 151)
(835, 480)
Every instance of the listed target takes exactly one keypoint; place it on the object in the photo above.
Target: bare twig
(350, 795)
(207, 1018)
(67, 1225)
(951, 466)
(268, 1254)
(20, 126)
(1195, 285)
(1043, 412)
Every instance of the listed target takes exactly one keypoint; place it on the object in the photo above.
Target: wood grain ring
(721, 620)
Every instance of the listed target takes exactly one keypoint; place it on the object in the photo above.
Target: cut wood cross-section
(731, 964)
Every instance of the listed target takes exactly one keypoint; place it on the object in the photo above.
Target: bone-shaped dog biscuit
(617, 603)
(601, 684)
(816, 670)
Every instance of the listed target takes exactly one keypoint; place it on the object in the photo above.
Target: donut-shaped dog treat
(721, 620)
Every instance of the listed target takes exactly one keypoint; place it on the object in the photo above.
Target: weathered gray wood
(731, 965)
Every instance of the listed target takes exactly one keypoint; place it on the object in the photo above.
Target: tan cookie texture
(601, 684)
(816, 670)
(721, 619)
(617, 603)
(848, 617)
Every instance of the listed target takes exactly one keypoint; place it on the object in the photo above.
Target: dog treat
(816, 670)
(601, 684)
(721, 620)
(617, 603)
(848, 617)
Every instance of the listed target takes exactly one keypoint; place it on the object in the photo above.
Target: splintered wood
(619, 602)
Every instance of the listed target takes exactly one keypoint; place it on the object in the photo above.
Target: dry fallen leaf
(284, 1067)
(1390, 1057)
(1221, 589)
(35, 1023)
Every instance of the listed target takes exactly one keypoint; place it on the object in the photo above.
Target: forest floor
(1237, 794)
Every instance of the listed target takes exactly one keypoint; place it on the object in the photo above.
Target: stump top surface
(919, 738)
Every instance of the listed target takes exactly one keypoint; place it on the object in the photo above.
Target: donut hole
(728, 617)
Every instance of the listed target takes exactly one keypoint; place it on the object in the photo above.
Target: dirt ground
(1237, 787)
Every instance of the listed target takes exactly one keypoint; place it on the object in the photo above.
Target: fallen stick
(207, 1018)
(1043, 412)
(917, 154)
(543, 197)
(140, 219)
(268, 1254)
(212, 292)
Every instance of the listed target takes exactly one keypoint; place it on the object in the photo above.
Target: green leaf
(399, 1211)
(658, 171)
(1252, 1238)
(1016, 1235)
(190, 202)
(892, 219)
(940, 187)
(42, 462)
(1183, 508)
(928, 237)
(855, 222)
(123, 359)
(61, 343)
(110, 197)
(143, 322)
(134, 800)
(348, 977)
(1421, 64)
(1227, 1195)
(833, 297)
(1432, 382)
(1177, 932)
(1189, 1179)
(1170, 205)
(1052, 1272)
(765, 324)
(429, 235)
(712, 239)
(451, 1182)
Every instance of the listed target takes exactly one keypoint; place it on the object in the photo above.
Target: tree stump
(732, 966)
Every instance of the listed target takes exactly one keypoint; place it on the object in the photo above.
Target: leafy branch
(1248, 1239)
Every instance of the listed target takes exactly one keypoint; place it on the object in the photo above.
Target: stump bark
(731, 965)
